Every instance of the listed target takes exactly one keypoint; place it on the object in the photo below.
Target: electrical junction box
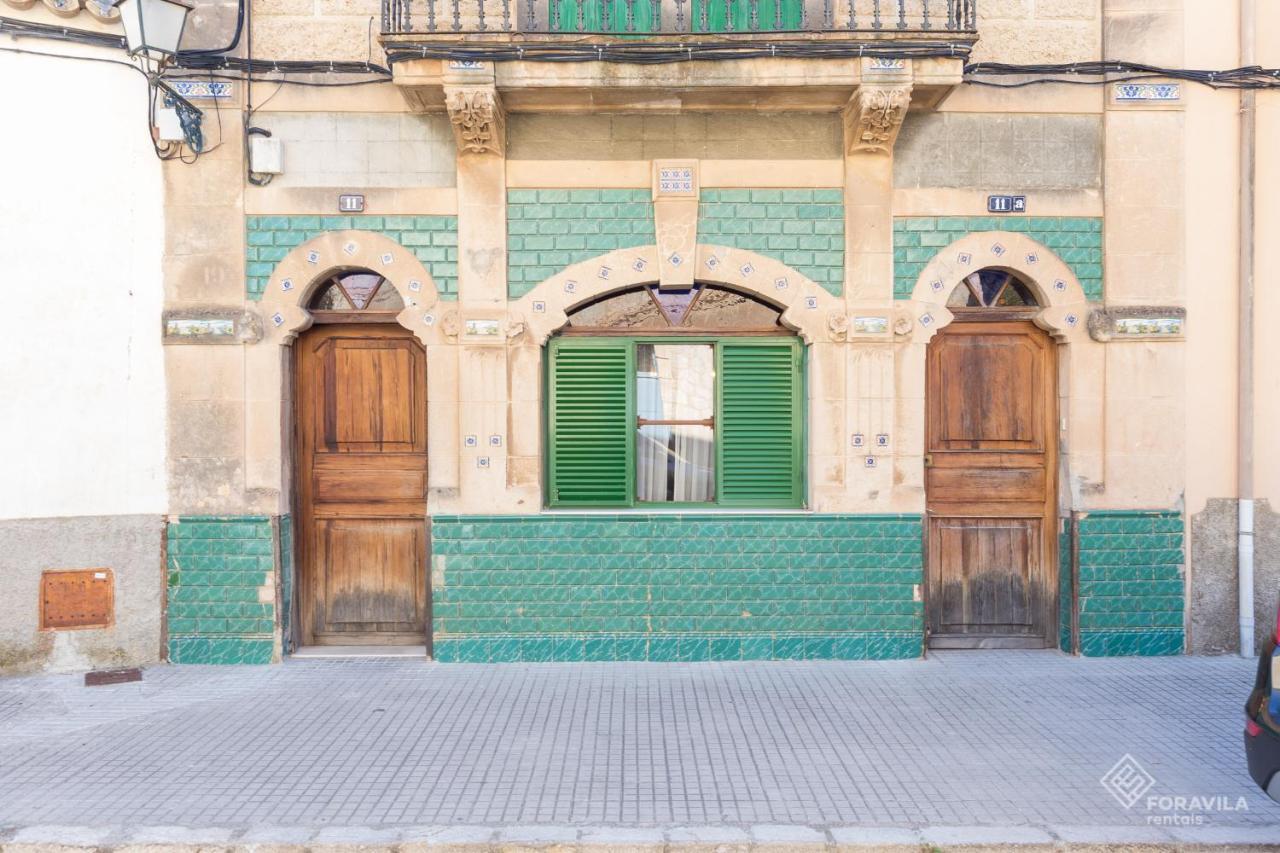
(266, 155)
(168, 127)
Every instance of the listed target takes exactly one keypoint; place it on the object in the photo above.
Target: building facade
(654, 331)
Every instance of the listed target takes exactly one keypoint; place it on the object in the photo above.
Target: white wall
(82, 409)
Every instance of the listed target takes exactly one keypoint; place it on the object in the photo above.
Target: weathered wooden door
(361, 423)
(990, 486)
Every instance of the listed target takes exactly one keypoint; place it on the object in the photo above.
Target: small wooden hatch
(77, 598)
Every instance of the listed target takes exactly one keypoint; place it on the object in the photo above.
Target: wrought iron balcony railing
(645, 18)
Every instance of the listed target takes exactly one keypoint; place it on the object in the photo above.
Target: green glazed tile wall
(803, 229)
(548, 230)
(675, 587)
(1064, 585)
(918, 239)
(286, 579)
(1132, 596)
(216, 565)
(432, 239)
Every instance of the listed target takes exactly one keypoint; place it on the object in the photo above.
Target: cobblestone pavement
(1014, 740)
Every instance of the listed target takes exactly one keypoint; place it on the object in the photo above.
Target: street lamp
(153, 28)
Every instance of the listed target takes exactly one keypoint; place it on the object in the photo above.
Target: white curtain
(675, 462)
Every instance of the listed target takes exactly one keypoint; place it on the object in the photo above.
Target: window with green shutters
(596, 423)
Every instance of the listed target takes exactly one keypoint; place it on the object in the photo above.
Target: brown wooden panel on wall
(990, 485)
(77, 598)
(361, 427)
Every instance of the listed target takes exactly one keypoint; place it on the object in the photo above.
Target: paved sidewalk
(988, 745)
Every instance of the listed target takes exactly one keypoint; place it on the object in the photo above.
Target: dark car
(1262, 719)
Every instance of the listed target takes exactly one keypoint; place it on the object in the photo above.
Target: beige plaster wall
(1210, 241)
(82, 396)
(1267, 353)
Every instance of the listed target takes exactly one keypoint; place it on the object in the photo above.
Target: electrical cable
(1251, 77)
(1094, 73)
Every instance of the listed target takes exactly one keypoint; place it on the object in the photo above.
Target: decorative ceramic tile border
(1145, 322)
(1127, 93)
(209, 90)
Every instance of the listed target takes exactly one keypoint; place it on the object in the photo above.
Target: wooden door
(361, 428)
(990, 484)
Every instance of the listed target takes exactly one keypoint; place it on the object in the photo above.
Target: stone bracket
(478, 119)
(874, 116)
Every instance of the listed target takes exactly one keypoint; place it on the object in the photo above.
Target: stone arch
(294, 280)
(1065, 309)
(1064, 316)
(807, 308)
(284, 315)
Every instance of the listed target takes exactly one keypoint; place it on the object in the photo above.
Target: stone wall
(1039, 31)
(706, 136)
(1214, 594)
(362, 150)
(999, 151)
(675, 587)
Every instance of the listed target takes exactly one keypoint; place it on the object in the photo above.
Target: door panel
(990, 484)
(362, 474)
(371, 577)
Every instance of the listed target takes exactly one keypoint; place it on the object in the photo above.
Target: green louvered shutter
(589, 417)
(761, 416)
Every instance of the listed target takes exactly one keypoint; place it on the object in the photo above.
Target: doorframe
(1052, 523)
(1063, 313)
(303, 578)
(281, 315)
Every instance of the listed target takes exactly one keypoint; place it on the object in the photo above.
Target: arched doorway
(991, 464)
(360, 442)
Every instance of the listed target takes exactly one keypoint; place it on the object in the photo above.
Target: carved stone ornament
(516, 327)
(874, 117)
(902, 323)
(838, 326)
(450, 324)
(478, 121)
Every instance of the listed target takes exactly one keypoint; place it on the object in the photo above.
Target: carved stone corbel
(873, 118)
(479, 123)
(838, 326)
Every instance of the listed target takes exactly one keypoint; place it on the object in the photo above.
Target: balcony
(941, 21)
(553, 55)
